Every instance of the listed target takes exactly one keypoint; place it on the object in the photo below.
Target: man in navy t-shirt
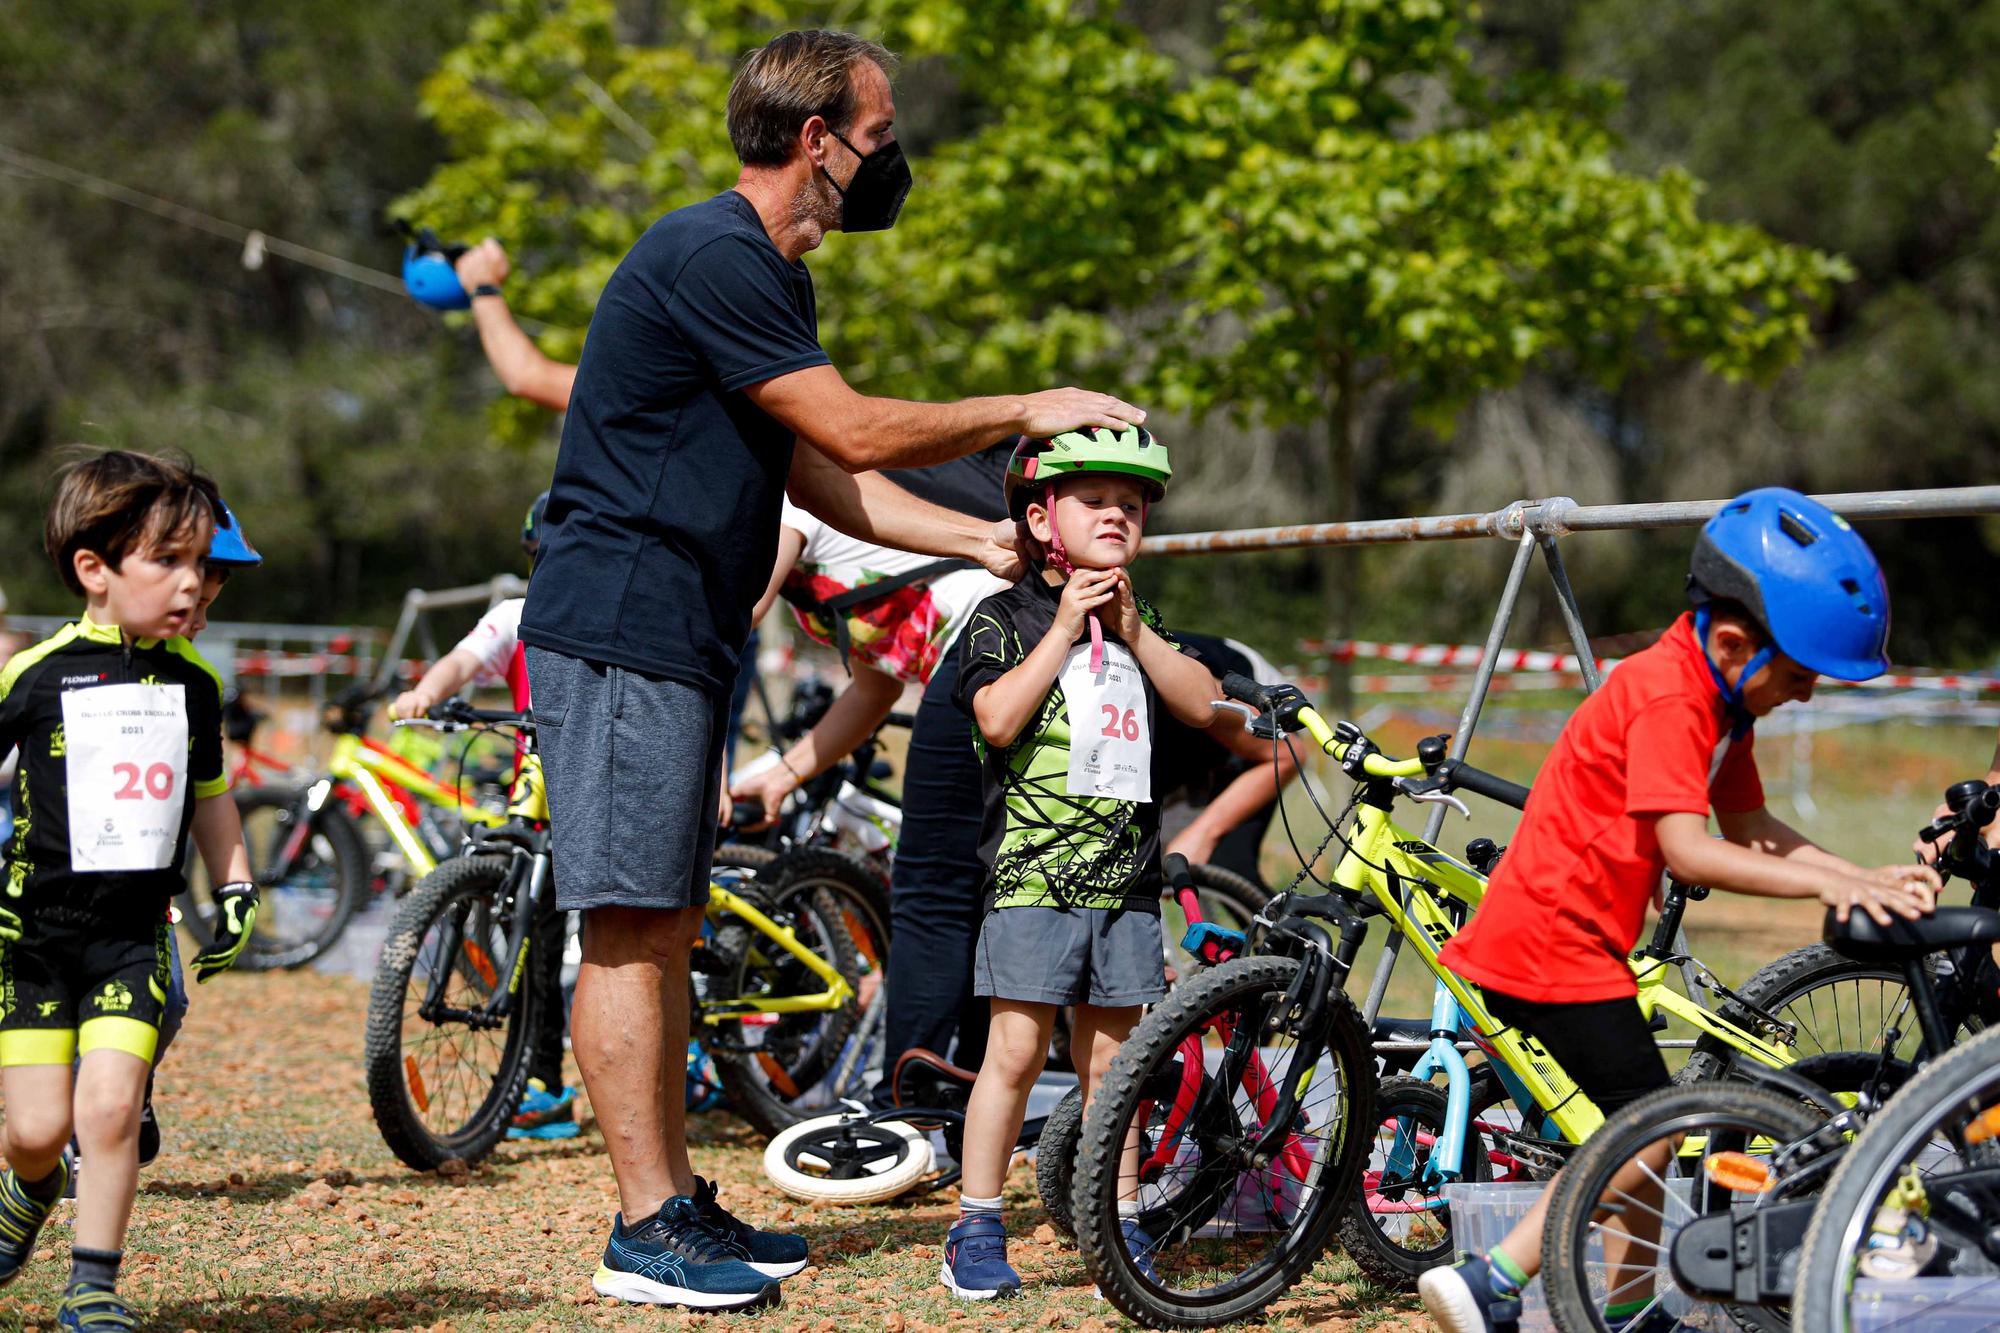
(703, 396)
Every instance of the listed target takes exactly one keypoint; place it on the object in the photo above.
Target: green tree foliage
(348, 430)
(1333, 199)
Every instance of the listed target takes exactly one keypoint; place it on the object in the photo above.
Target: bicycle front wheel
(447, 1049)
(1903, 1236)
(1236, 1199)
(1652, 1168)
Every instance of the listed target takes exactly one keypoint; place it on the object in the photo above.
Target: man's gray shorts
(634, 770)
(1084, 955)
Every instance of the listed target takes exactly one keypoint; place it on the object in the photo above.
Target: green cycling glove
(10, 926)
(235, 917)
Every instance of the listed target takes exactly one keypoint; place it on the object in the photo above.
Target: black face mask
(875, 196)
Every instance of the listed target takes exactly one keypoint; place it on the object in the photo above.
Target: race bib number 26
(1110, 743)
(126, 750)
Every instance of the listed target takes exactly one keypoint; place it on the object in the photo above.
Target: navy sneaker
(1460, 1299)
(771, 1253)
(1141, 1247)
(94, 1309)
(673, 1258)
(21, 1218)
(545, 1115)
(975, 1264)
(1655, 1320)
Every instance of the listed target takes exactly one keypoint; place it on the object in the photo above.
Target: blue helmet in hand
(228, 545)
(428, 274)
(1804, 573)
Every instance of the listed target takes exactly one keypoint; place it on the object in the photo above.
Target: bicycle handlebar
(1973, 806)
(1290, 710)
(455, 714)
(1463, 776)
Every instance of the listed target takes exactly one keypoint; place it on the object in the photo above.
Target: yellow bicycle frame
(721, 903)
(1423, 872)
(359, 764)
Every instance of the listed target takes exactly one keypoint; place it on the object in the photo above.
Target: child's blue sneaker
(975, 1264)
(1141, 1247)
(1655, 1320)
(673, 1258)
(545, 1115)
(771, 1253)
(1460, 1299)
(94, 1310)
(21, 1218)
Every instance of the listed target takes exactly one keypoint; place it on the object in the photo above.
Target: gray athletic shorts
(634, 769)
(1086, 955)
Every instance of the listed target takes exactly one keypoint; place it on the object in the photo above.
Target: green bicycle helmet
(1039, 463)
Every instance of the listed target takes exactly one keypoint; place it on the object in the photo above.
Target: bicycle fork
(1447, 1158)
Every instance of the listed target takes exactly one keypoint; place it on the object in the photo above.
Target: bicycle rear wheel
(1903, 1236)
(1651, 1169)
(770, 1065)
(311, 867)
(444, 1086)
(1222, 1229)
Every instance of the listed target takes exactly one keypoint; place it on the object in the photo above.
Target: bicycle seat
(1946, 928)
(925, 1078)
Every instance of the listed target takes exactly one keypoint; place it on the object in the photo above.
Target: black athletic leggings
(1604, 1045)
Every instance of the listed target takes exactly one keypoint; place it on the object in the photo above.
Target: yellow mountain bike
(1194, 1217)
(471, 970)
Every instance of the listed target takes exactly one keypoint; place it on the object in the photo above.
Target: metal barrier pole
(1572, 616)
(1468, 720)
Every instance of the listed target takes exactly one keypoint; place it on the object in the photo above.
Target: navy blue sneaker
(21, 1218)
(673, 1258)
(975, 1264)
(771, 1253)
(94, 1310)
(1460, 1299)
(1141, 1247)
(1655, 1320)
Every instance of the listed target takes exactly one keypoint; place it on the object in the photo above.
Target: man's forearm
(525, 371)
(904, 434)
(877, 510)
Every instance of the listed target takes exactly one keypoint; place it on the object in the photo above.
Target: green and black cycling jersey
(41, 877)
(1042, 846)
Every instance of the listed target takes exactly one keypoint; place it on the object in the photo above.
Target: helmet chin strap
(1059, 558)
(1732, 695)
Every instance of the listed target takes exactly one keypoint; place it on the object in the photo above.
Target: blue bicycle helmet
(229, 545)
(1805, 574)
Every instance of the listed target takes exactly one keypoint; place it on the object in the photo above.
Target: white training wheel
(845, 1159)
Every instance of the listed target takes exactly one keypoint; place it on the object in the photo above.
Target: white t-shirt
(496, 642)
(905, 633)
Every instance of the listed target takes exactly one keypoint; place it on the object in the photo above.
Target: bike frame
(379, 773)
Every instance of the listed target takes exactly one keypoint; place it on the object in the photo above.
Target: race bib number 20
(126, 750)
(1110, 741)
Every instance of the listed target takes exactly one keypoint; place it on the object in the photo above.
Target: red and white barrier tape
(1560, 670)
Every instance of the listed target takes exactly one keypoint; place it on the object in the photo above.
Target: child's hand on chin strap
(1060, 562)
(1086, 590)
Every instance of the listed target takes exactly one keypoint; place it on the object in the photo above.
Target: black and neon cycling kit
(93, 942)
(1044, 847)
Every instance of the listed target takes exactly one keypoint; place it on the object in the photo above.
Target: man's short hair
(791, 79)
(118, 502)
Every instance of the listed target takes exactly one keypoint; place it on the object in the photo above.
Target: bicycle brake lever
(1249, 714)
(1441, 798)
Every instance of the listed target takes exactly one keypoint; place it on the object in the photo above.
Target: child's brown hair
(120, 501)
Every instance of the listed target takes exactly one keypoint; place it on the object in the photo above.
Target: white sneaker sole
(969, 1293)
(1448, 1301)
(781, 1270)
(644, 1291)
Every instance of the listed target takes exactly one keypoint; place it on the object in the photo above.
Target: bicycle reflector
(1739, 1173)
(1984, 1127)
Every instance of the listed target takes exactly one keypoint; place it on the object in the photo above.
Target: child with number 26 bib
(1063, 675)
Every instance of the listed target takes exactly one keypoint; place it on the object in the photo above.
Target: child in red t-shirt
(1785, 591)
